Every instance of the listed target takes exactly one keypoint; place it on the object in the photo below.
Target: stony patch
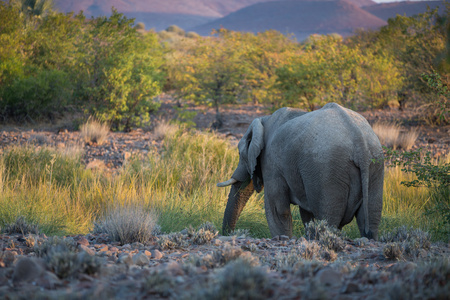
(271, 268)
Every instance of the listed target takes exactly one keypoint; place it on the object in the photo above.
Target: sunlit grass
(178, 184)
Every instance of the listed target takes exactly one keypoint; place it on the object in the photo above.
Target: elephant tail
(365, 203)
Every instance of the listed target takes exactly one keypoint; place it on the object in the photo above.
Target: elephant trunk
(237, 199)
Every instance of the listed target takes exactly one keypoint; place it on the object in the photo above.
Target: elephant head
(247, 177)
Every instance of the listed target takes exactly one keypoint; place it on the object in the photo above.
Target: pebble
(140, 259)
(27, 269)
(329, 277)
(156, 254)
(87, 249)
(126, 259)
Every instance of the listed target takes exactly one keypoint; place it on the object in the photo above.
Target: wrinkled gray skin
(329, 162)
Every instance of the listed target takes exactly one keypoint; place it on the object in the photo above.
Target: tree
(119, 71)
(329, 70)
(228, 67)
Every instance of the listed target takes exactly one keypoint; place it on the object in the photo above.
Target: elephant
(329, 162)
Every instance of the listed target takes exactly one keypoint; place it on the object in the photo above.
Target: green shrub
(43, 95)
(121, 72)
(176, 29)
(434, 175)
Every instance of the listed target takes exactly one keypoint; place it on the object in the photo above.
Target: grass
(53, 189)
(94, 132)
(391, 136)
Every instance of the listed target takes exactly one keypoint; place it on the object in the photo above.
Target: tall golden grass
(177, 184)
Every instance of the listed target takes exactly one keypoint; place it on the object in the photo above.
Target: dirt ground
(238, 267)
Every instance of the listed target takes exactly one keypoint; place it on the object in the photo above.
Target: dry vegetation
(94, 132)
(391, 136)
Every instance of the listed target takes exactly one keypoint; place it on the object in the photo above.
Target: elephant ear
(255, 140)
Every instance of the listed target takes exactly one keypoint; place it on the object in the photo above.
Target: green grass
(178, 184)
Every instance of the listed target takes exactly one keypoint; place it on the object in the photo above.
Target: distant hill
(301, 18)
(406, 8)
(159, 14)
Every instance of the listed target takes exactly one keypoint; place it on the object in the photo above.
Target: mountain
(299, 17)
(406, 8)
(159, 14)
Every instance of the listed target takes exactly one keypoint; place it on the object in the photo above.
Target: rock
(104, 249)
(83, 241)
(227, 238)
(86, 249)
(141, 259)
(361, 241)
(5, 273)
(351, 287)
(48, 280)
(9, 257)
(27, 269)
(329, 277)
(126, 259)
(148, 253)
(174, 268)
(284, 238)
(156, 254)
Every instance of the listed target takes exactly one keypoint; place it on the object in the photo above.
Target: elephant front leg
(278, 212)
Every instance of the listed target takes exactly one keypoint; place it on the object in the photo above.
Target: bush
(327, 236)
(42, 95)
(172, 241)
(176, 29)
(435, 175)
(238, 280)
(120, 74)
(404, 240)
(127, 224)
(61, 257)
(224, 255)
(20, 225)
(393, 251)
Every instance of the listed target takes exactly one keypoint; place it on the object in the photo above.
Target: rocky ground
(216, 267)
(182, 266)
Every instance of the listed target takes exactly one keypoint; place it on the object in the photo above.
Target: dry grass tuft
(94, 132)
(128, 224)
(388, 134)
(408, 139)
(391, 137)
(163, 129)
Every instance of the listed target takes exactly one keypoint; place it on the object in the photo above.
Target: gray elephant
(329, 162)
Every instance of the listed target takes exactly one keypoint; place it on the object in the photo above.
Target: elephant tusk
(227, 183)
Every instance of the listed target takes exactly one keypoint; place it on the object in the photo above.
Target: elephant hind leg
(278, 209)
